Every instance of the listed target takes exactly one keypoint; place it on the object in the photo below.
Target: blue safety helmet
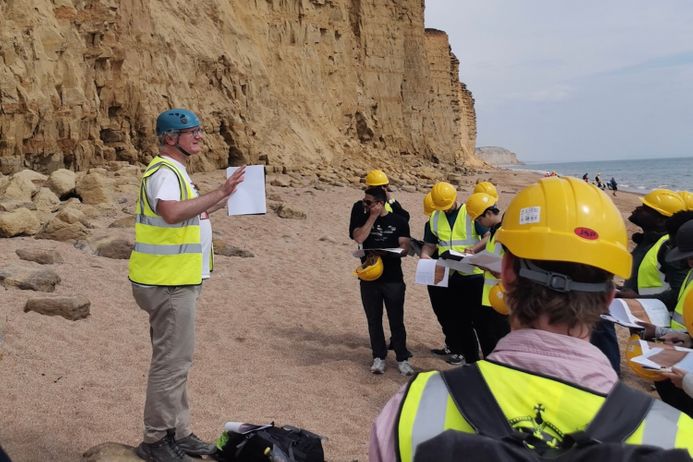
(175, 120)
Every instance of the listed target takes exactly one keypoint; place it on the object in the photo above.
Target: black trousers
(373, 295)
(604, 337)
(490, 326)
(457, 308)
(675, 397)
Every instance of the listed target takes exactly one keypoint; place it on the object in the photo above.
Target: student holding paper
(651, 275)
(171, 258)
(564, 241)
(670, 390)
(384, 230)
(489, 324)
(451, 229)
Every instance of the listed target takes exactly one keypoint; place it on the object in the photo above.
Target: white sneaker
(378, 366)
(405, 368)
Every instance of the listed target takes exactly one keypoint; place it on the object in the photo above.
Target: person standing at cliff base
(171, 258)
(451, 229)
(381, 278)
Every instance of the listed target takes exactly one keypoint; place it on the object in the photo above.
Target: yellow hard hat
(443, 195)
(428, 204)
(486, 187)
(664, 201)
(376, 178)
(496, 296)
(477, 204)
(569, 220)
(633, 349)
(687, 199)
(371, 269)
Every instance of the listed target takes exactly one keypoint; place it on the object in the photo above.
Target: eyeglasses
(195, 131)
(368, 203)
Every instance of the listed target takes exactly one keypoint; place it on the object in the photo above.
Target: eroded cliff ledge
(288, 83)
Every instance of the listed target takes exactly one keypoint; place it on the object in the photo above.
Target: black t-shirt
(359, 215)
(385, 234)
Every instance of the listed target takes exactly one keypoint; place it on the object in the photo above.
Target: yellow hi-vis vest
(677, 317)
(489, 279)
(529, 401)
(388, 207)
(460, 237)
(650, 278)
(165, 254)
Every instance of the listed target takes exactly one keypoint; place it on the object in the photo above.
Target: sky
(561, 81)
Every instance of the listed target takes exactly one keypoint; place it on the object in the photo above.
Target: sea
(633, 175)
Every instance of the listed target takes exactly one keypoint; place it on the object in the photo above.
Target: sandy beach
(280, 337)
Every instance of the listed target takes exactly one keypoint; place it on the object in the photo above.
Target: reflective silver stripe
(490, 281)
(161, 223)
(653, 290)
(661, 425)
(430, 415)
(152, 249)
(678, 317)
(469, 241)
(434, 223)
(181, 182)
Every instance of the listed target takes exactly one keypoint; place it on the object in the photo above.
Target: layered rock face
(288, 83)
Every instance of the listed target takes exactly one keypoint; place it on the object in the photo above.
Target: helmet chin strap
(180, 149)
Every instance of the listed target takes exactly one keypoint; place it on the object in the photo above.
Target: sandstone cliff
(290, 83)
(496, 155)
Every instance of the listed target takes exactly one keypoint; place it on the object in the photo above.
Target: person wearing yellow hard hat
(651, 274)
(545, 390)
(451, 230)
(490, 325)
(377, 178)
(381, 281)
(436, 294)
(486, 187)
(669, 390)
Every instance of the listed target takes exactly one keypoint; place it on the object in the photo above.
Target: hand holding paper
(247, 189)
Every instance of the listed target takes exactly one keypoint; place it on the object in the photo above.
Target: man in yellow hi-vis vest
(545, 383)
(490, 325)
(171, 257)
(670, 390)
(451, 231)
(651, 276)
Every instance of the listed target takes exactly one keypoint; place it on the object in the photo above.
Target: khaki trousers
(172, 329)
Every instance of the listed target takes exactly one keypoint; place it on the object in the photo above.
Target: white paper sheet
(666, 358)
(466, 261)
(428, 272)
(249, 197)
(362, 252)
(627, 311)
(485, 260)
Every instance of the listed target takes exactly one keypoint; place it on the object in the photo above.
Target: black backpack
(495, 440)
(266, 443)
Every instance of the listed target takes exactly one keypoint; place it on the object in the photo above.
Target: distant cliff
(288, 83)
(496, 155)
